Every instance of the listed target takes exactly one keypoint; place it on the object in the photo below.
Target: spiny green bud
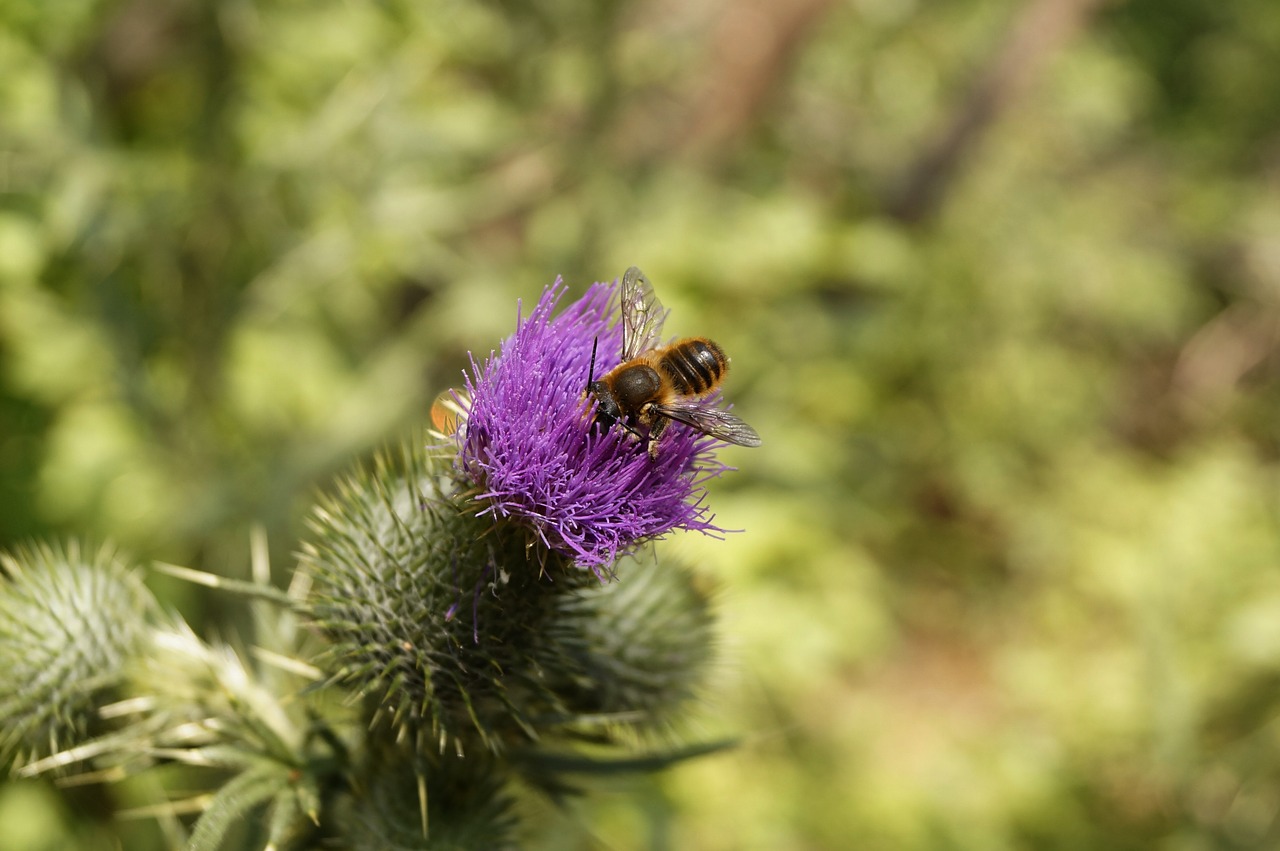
(433, 613)
(640, 645)
(69, 625)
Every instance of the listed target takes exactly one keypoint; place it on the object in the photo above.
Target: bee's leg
(655, 431)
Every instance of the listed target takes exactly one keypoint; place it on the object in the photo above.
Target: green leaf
(570, 763)
(295, 809)
(241, 794)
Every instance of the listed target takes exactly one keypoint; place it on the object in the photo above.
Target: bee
(656, 384)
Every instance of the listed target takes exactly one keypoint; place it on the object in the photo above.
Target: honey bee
(656, 384)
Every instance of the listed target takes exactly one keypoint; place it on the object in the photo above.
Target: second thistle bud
(70, 623)
(641, 646)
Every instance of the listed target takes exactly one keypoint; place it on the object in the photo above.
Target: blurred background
(1001, 283)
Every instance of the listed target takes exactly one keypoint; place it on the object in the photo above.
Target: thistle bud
(641, 647)
(70, 623)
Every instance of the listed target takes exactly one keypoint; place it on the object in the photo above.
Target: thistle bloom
(530, 450)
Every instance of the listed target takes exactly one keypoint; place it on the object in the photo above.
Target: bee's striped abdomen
(695, 366)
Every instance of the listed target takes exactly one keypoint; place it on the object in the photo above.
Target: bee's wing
(720, 424)
(642, 314)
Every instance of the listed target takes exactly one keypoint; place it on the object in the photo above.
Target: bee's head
(608, 411)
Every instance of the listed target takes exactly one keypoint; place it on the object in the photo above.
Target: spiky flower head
(457, 633)
(640, 647)
(444, 580)
(529, 449)
(70, 623)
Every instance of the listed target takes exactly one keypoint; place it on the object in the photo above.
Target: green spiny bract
(641, 646)
(70, 624)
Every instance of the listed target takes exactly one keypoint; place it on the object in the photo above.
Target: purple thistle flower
(530, 450)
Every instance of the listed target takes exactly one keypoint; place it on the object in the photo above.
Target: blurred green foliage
(1006, 318)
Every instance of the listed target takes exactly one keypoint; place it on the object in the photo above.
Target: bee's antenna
(591, 373)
